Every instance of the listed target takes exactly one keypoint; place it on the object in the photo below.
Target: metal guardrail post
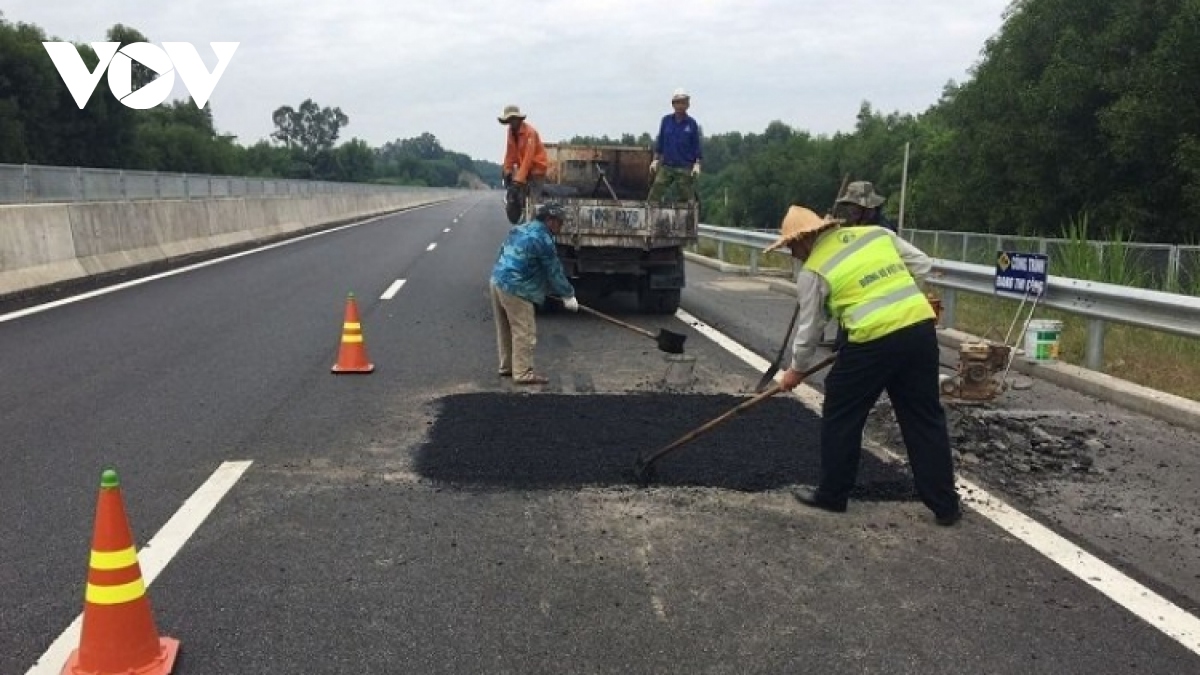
(26, 184)
(1173, 269)
(720, 250)
(1094, 349)
(157, 186)
(753, 261)
(949, 302)
(79, 183)
(121, 184)
(187, 187)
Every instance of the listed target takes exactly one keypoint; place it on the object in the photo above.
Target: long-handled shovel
(770, 374)
(644, 468)
(669, 342)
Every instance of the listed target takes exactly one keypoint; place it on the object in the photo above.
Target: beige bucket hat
(798, 222)
(509, 112)
(862, 193)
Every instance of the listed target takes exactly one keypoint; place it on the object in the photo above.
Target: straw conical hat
(798, 222)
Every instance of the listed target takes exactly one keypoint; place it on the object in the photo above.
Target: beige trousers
(516, 332)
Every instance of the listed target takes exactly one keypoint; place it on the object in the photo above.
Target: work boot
(949, 519)
(811, 497)
(531, 378)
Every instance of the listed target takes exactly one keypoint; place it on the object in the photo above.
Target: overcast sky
(398, 68)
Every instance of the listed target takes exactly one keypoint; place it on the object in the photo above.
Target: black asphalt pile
(548, 441)
(1016, 448)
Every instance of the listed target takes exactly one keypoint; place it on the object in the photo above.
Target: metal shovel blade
(670, 342)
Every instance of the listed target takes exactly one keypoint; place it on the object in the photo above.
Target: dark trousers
(905, 364)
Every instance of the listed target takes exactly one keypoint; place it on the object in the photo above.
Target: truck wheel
(661, 301)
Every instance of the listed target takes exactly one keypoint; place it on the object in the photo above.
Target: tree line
(1075, 113)
(41, 124)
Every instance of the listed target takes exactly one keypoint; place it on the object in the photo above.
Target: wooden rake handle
(619, 322)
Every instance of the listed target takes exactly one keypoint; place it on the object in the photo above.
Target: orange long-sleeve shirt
(525, 149)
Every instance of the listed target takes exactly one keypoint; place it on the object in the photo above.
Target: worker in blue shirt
(677, 152)
(526, 267)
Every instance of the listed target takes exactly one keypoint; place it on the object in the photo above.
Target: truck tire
(658, 301)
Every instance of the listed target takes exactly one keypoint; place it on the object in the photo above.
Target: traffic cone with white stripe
(352, 355)
(119, 635)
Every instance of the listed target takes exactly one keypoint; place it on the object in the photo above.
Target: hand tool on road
(644, 468)
(669, 342)
(770, 374)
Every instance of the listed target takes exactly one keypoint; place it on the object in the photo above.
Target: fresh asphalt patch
(549, 441)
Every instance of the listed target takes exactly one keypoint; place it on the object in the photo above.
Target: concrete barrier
(36, 247)
(44, 245)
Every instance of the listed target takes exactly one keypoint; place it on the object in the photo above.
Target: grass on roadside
(1160, 361)
(740, 255)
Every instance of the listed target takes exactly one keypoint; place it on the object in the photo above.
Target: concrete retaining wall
(47, 244)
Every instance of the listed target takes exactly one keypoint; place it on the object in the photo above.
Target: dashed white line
(1144, 603)
(392, 290)
(153, 558)
(445, 230)
(431, 246)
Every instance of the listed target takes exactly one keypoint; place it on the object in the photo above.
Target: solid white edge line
(431, 246)
(170, 273)
(153, 558)
(392, 290)
(1142, 602)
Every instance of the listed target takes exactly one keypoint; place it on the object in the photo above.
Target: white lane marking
(810, 397)
(445, 230)
(431, 246)
(456, 219)
(162, 275)
(392, 290)
(155, 555)
(1144, 603)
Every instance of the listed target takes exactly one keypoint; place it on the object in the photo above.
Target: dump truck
(613, 240)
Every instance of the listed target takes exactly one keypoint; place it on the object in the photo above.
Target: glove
(571, 304)
(696, 169)
(654, 166)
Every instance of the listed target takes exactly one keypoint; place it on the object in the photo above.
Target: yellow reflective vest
(871, 292)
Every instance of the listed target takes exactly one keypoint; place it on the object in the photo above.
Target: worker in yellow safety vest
(866, 278)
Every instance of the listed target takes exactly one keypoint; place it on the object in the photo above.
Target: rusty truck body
(613, 240)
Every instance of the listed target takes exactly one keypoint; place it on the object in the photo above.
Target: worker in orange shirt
(525, 162)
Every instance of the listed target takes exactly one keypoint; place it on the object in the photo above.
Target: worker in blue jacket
(527, 266)
(677, 152)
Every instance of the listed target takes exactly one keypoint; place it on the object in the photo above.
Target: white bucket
(1041, 339)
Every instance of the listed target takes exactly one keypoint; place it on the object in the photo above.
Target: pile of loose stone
(1013, 447)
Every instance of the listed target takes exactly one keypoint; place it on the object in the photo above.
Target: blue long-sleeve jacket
(678, 141)
(528, 264)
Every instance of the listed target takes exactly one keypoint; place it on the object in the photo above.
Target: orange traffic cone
(352, 356)
(119, 635)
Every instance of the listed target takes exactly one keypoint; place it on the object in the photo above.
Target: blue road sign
(1021, 274)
